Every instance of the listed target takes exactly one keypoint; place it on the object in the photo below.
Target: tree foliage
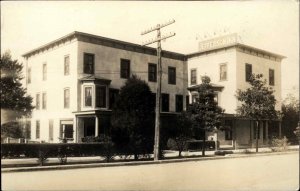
(12, 129)
(257, 102)
(13, 95)
(205, 113)
(133, 117)
(290, 117)
(182, 131)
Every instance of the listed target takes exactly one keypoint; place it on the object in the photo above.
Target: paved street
(275, 172)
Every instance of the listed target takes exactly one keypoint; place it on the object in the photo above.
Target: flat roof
(85, 37)
(238, 45)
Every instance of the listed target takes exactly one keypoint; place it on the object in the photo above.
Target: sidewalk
(8, 165)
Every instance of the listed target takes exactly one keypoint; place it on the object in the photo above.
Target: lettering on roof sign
(219, 42)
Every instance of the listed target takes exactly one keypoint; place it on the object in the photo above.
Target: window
(193, 76)
(37, 129)
(125, 68)
(248, 72)
(223, 72)
(28, 130)
(228, 131)
(172, 75)
(100, 96)
(51, 130)
(113, 94)
(88, 96)
(165, 102)
(44, 101)
(68, 133)
(179, 103)
(271, 77)
(152, 72)
(44, 72)
(88, 63)
(66, 65)
(29, 76)
(37, 101)
(66, 98)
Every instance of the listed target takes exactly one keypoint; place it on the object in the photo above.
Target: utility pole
(158, 39)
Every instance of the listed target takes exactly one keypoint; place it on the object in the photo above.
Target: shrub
(223, 153)
(279, 144)
(198, 145)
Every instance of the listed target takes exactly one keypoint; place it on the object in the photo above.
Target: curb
(116, 164)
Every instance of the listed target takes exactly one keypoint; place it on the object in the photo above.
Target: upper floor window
(100, 96)
(44, 100)
(29, 75)
(50, 129)
(88, 63)
(165, 102)
(223, 72)
(193, 76)
(37, 129)
(66, 65)
(37, 101)
(179, 103)
(88, 96)
(152, 72)
(67, 98)
(271, 77)
(125, 68)
(248, 72)
(44, 71)
(172, 75)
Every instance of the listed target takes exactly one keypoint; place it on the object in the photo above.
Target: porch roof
(97, 80)
(216, 87)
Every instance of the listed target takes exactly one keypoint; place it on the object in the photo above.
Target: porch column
(250, 142)
(63, 131)
(279, 126)
(75, 130)
(267, 132)
(234, 135)
(96, 126)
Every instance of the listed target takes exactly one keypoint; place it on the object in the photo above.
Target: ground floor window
(89, 126)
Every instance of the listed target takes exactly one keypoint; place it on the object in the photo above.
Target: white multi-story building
(75, 80)
(229, 65)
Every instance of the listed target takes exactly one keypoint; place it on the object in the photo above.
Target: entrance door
(89, 126)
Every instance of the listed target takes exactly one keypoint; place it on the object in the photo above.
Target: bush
(223, 153)
(279, 144)
(43, 151)
(198, 144)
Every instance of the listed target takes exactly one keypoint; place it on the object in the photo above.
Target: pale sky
(268, 25)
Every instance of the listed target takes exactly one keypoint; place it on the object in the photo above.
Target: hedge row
(198, 144)
(42, 151)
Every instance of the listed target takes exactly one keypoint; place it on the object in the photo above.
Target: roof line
(96, 36)
(236, 45)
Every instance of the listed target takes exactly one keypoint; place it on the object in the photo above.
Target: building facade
(229, 65)
(75, 81)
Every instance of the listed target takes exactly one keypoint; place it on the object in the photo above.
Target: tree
(182, 131)
(133, 118)
(13, 95)
(257, 102)
(290, 117)
(205, 113)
